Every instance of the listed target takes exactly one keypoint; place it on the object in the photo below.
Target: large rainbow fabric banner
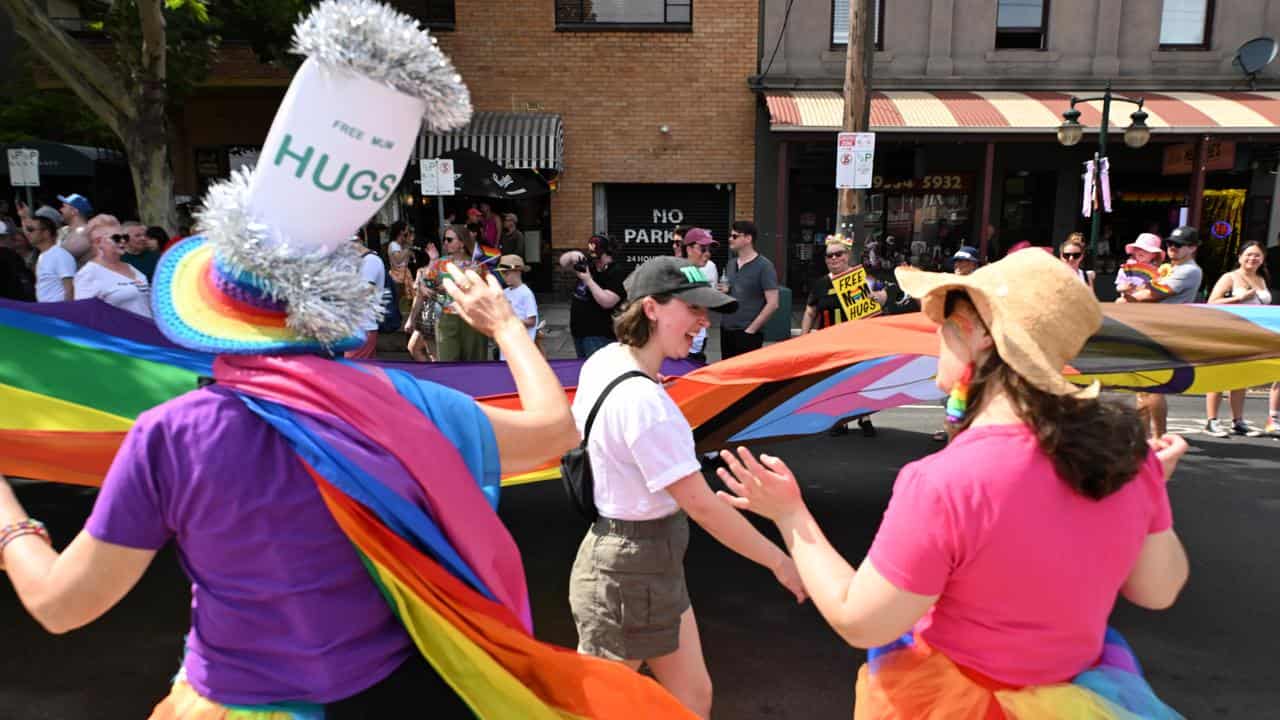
(73, 376)
(430, 536)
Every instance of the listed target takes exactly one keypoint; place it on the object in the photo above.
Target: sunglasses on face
(836, 254)
(118, 238)
(1072, 255)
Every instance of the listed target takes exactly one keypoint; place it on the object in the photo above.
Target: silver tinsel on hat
(325, 296)
(386, 46)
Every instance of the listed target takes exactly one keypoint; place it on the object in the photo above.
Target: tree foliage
(129, 63)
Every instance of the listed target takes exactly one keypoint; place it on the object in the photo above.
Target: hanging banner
(854, 294)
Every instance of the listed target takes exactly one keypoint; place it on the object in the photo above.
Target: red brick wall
(614, 89)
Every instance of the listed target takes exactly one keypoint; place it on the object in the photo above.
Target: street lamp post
(1135, 136)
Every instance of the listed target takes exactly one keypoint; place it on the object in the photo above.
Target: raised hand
(765, 486)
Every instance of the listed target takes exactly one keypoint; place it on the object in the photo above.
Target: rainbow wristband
(12, 531)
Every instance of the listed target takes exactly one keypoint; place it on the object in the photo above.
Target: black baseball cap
(668, 275)
(1183, 235)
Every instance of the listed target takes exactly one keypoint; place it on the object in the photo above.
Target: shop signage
(24, 167)
(854, 294)
(643, 217)
(936, 183)
(1180, 159)
(855, 160)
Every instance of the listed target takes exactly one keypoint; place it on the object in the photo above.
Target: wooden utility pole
(857, 113)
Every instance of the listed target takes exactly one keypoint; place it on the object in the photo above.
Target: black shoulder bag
(575, 465)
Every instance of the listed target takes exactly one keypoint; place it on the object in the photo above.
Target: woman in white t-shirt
(108, 277)
(627, 589)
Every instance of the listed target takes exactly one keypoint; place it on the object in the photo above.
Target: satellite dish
(1253, 56)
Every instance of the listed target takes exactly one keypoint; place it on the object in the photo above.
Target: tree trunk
(136, 114)
(152, 174)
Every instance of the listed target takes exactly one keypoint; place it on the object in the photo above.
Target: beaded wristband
(23, 527)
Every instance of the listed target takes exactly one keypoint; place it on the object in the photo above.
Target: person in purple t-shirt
(282, 607)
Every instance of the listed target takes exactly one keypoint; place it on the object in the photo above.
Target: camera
(580, 266)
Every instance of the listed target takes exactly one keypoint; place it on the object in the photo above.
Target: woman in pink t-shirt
(999, 558)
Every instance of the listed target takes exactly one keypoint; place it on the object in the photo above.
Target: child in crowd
(512, 269)
(1143, 268)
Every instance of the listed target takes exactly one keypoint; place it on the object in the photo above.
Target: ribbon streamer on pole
(1105, 181)
(1087, 203)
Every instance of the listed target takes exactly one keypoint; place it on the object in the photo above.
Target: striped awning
(530, 141)
(989, 111)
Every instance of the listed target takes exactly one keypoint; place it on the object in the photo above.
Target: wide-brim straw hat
(1036, 309)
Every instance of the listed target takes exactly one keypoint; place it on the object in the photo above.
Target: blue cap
(966, 253)
(79, 202)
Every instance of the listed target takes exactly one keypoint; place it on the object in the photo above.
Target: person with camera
(627, 589)
(599, 291)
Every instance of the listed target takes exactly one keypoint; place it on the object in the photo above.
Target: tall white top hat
(275, 270)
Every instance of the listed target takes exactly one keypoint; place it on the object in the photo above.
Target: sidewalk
(557, 342)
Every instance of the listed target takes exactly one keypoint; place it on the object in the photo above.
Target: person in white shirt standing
(55, 267)
(627, 589)
(107, 276)
(372, 270)
(512, 269)
(696, 244)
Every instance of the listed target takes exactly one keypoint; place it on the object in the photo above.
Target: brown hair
(1075, 238)
(632, 326)
(464, 234)
(1262, 269)
(1096, 446)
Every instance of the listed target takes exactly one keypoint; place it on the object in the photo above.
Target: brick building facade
(641, 105)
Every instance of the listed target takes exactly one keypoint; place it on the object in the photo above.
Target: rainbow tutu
(907, 679)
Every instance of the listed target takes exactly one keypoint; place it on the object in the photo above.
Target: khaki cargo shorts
(627, 589)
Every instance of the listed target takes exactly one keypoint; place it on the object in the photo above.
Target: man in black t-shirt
(598, 294)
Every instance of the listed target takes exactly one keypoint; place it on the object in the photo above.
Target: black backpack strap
(591, 418)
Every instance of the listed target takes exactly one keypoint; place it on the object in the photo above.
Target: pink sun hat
(1147, 241)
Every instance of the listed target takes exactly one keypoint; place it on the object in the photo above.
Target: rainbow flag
(73, 376)
(486, 253)
(432, 539)
(1139, 274)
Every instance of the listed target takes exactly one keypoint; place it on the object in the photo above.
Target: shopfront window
(668, 15)
(921, 220)
(840, 22)
(1022, 24)
(1186, 24)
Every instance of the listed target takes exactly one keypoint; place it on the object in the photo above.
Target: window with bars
(435, 14)
(1186, 24)
(1022, 24)
(624, 14)
(840, 22)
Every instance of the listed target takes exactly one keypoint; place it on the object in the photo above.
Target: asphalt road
(1212, 655)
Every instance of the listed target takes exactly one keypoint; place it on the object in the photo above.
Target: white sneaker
(1214, 427)
(1243, 427)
